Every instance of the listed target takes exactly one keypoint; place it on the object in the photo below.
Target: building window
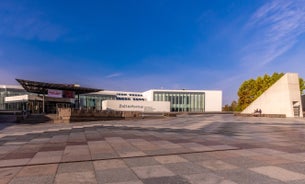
(182, 101)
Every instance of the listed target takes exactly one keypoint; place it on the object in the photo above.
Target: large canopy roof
(42, 87)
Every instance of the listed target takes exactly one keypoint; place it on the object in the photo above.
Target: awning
(42, 87)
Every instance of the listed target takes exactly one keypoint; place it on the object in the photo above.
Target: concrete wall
(149, 95)
(213, 101)
(303, 102)
(67, 115)
(138, 106)
(280, 98)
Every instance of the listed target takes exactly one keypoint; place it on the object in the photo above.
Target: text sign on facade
(68, 94)
(54, 93)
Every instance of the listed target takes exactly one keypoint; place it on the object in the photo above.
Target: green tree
(234, 106)
(246, 93)
(226, 108)
(302, 85)
(252, 89)
(231, 107)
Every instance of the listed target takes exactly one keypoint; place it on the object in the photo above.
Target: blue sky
(136, 45)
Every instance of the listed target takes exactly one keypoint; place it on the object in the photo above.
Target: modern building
(282, 98)
(40, 97)
(11, 90)
(165, 100)
(188, 100)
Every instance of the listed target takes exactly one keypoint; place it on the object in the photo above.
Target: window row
(182, 102)
(135, 94)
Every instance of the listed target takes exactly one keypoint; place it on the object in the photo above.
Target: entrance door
(35, 107)
(296, 111)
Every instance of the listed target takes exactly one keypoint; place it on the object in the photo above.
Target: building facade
(16, 98)
(11, 90)
(188, 100)
(179, 100)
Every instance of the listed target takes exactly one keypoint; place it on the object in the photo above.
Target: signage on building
(68, 94)
(55, 93)
(131, 106)
(140, 106)
(16, 98)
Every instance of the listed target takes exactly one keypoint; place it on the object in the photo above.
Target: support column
(43, 103)
(78, 101)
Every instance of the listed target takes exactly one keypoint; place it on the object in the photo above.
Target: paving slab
(296, 167)
(38, 170)
(75, 167)
(207, 178)
(76, 177)
(8, 148)
(279, 173)
(14, 162)
(33, 180)
(7, 174)
(143, 144)
(166, 180)
(115, 175)
(197, 157)
(244, 176)
(185, 168)
(76, 153)
(195, 146)
(170, 159)
(46, 157)
(109, 164)
(152, 171)
(129, 182)
(142, 161)
(217, 165)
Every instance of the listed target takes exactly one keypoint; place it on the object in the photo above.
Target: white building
(165, 101)
(188, 100)
(130, 101)
(149, 101)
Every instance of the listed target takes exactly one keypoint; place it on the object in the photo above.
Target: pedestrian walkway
(188, 149)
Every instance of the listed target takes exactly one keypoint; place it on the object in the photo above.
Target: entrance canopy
(43, 87)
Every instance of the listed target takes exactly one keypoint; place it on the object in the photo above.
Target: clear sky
(136, 45)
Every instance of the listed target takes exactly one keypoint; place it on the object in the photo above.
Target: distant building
(47, 97)
(188, 100)
(166, 100)
(10, 90)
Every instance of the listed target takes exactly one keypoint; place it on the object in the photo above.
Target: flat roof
(11, 87)
(182, 90)
(42, 87)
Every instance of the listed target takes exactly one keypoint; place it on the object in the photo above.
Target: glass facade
(11, 91)
(90, 101)
(87, 101)
(182, 101)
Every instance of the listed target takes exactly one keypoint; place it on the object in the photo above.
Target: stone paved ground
(211, 149)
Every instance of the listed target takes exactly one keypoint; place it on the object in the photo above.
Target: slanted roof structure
(42, 87)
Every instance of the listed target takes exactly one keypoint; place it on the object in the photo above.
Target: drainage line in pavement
(141, 156)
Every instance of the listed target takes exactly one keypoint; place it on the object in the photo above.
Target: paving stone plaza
(209, 149)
